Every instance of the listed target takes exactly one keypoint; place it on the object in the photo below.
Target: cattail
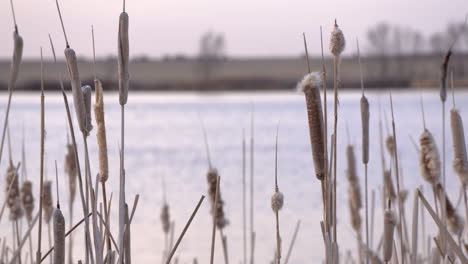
(429, 161)
(17, 55)
(78, 98)
(212, 178)
(351, 175)
(101, 132)
(460, 162)
(165, 218)
(389, 188)
(123, 50)
(16, 211)
(389, 227)
(277, 201)
(27, 199)
(354, 213)
(454, 221)
(365, 129)
(59, 237)
(11, 179)
(71, 170)
(390, 146)
(47, 202)
(337, 41)
(86, 90)
(310, 86)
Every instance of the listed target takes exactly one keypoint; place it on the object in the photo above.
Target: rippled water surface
(164, 139)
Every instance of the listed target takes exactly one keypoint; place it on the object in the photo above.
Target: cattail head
(389, 188)
(277, 201)
(71, 170)
(165, 218)
(389, 227)
(17, 55)
(429, 161)
(27, 199)
(123, 58)
(310, 85)
(11, 179)
(16, 212)
(86, 90)
(212, 179)
(354, 190)
(337, 41)
(365, 129)
(460, 161)
(101, 132)
(78, 99)
(354, 213)
(454, 221)
(59, 237)
(47, 202)
(390, 144)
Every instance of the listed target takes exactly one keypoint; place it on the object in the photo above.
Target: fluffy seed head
(47, 203)
(101, 132)
(11, 179)
(460, 161)
(27, 199)
(337, 41)
(212, 178)
(277, 201)
(71, 170)
(429, 161)
(165, 218)
(454, 221)
(310, 85)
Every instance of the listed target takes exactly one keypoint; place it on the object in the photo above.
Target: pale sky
(251, 27)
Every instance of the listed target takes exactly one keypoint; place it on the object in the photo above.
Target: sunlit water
(164, 139)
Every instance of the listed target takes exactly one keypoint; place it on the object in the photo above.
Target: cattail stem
(244, 231)
(335, 131)
(185, 229)
(291, 246)
(224, 245)
(252, 228)
(122, 180)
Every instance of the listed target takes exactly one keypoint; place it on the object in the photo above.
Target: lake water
(164, 139)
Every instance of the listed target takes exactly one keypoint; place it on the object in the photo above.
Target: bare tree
(211, 55)
(379, 39)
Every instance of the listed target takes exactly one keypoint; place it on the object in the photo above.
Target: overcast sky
(251, 27)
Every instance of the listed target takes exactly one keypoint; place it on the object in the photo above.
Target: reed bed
(104, 243)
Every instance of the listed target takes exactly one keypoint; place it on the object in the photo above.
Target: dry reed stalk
(397, 173)
(244, 215)
(185, 230)
(252, 227)
(291, 245)
(337, 45)
(14, 72)
(277, 201)
(41, 185)
(214, 212)
(414, 230)
(310, 86)
(454, 222)
(453, 245)
(26, 236)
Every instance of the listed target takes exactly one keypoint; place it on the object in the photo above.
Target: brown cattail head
(123, 58)
(389, 227)
(310, 85)
(460, 161)
(78, 99)
(101, 132)
(354, 213)
(17, 55)
(390, 144)
(337, 41)
(389, 188)
(212, 178)
(354, 190)
(86, 90)
(165, 218)
(454, 221)
(71, 170)
(11, 179)
(429, 161)
(27, 199)
(47, 203)
(365, 129)
(16, 212)
(277, 201)
(59, 237)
